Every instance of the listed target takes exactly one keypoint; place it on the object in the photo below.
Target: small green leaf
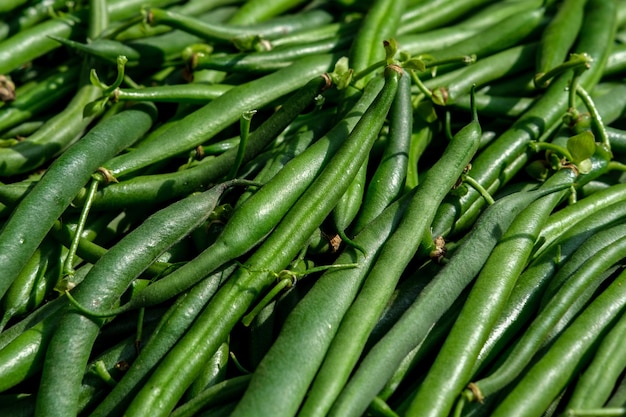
(342, 73)
(581, 146)
(415, 64)
(426, 111)
(584, 166)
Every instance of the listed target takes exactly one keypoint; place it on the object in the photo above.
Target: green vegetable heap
(325, 208)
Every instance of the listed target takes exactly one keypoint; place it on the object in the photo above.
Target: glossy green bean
(387, 182)
(537, 331)
(261, 62)
(559, 35)
(534, 392)
(507, 155)
(526, 295)
(55, 191)
(202, 124)
(290, 183)
(278, 249)
(430, 306)
(382, 279)
(327, 301)
(230, 32)
(138, 249)
(32, 102)
(260, 10)
(596, 383)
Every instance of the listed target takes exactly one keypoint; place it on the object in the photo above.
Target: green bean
(230, 32)
(274, 254)
(214, 372)
(253, 62)
(17, 300)
(509, 32)
(526, 295)
(616, 63)
(113, 360)
(456, 84)
(32, 102)
(430, 306)
(254, 11)
(549, 315)
(439, 390)
(387, 182)
(437, 13)
(34, 42)
(382, 279)
(56, 189)
(348, 205)
(54, 136)
(312, 324)
(436, 39)
(379, 24)
(138, 249)
(506, 156)
(566, 218)
(290, 183)
(559, 35)
(533, 393)
(496, 106)
(173, 325)
(187, 93)
(29, 16)
(202, 124)
(337, 29)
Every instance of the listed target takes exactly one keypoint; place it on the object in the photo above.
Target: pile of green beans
(312, 208)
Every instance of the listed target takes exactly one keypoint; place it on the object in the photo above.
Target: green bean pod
(202, 124)
(187, 93)
(277, 250)
(263, 62)
(104, 285)
(537, 331)
(425, 16)
(149, 188)
(379, 24)
(508, 154)
(349, 204)
(566, 218)
(542, 383)
(447, 88)
(327, 301)
(559, 35)
(259, 10)
(228, 32)
(23, 356)
(437, 393)
(596, 383)
(431, 304)
(526, 295)
(48, 91)
(387, 182)
(509, 32)
(173, 325)
(229, 389)
(18, 299)
(254, 219)
(382, 279)
(57, 188)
